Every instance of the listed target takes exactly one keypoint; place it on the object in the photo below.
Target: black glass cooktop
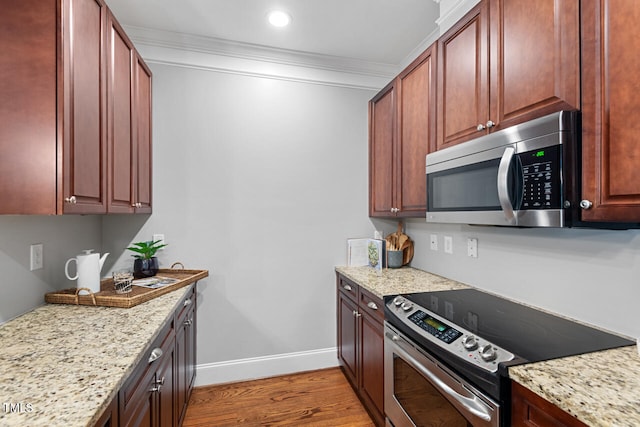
(531, 334)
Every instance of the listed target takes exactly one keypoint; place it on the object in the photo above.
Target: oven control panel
(447, 335)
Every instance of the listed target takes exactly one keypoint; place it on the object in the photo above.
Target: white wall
(590, 275)
(62, 238)
(259, 180)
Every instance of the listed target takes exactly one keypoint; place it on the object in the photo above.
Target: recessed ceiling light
(278, 18)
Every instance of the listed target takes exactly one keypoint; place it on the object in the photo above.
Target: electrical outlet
(36, 259)
(448, 244)
(159, 237)
(434, 242)
(472, 247)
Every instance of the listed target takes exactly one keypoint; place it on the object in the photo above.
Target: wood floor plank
(321, 398)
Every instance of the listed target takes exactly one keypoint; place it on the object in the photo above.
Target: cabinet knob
(395, 210)
(490, 124)
(156, 354)
(188, 322)
(372, 305)
(71, 200)
(186, 302)
(585, 204)
(480, 127)
(347, 288)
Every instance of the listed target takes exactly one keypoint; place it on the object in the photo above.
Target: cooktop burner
(528, 333)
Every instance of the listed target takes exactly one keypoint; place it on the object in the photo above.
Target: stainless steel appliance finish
(525, 175)
(420, 391)
(447, 354)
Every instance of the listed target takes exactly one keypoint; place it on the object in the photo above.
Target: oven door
(419, 391)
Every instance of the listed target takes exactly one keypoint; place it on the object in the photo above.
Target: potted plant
(146, 263)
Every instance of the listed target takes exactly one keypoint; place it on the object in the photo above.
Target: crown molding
(166, 47)
(451, 11)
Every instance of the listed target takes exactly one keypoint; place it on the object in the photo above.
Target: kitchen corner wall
(587, 274)
(260, 179)
(62, 237)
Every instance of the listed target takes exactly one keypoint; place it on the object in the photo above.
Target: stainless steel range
(447, 354)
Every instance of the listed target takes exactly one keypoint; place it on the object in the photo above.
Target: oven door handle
(470, 404)
(503, 184)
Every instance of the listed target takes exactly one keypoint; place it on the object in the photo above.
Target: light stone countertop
(63, 364)
(601, 389)
(393, 281)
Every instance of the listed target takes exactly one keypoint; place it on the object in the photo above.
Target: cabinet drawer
(140, 380)
(371, 304)
(347, 287)
(186, 305)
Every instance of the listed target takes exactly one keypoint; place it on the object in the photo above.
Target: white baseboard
(264, 367)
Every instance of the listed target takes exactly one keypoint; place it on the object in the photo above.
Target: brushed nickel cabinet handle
(71, 200)
(155, 355)
(372, 305)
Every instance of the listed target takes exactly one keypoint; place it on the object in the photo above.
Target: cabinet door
(416, 133)
(143, 157)
(463, 79)
(382, 116)
(610, 129)
(185, 354)
(372, 365)
(347, 337)
(120, 120)
(28, 130)
(535, 59)
(166, 389)
(84, 110)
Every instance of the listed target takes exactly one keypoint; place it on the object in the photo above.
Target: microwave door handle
(503, 189)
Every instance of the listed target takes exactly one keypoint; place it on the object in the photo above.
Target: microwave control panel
(541, 172)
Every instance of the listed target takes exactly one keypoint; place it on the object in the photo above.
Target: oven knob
(488, 353)
(406, 306)
(469, 342)
(397, 301)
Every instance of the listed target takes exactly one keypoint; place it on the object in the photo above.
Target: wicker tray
(107, 297)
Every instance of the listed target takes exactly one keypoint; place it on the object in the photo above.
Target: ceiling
(379, 31)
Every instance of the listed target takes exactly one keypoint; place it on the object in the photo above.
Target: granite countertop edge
(62, 376)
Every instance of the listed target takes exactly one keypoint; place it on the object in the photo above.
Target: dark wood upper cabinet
(610, 130)
(143, 164)
(401, 133)
(120, 119)
(84, 106)
(382, 117)
(507, 62)
(67, 111)
(463, 79)
(28, 119)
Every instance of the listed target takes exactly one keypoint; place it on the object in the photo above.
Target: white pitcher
(88, 269)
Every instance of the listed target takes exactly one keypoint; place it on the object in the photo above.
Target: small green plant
(146, 250)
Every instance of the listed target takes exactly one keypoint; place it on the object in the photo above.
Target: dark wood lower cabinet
(360, 344)
(530, 410)
(157, 392)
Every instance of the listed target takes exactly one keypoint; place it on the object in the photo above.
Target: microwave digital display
(541, 187)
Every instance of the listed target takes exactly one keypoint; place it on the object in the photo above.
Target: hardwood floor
(317, 398)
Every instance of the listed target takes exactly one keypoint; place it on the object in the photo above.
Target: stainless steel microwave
(525, 175)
